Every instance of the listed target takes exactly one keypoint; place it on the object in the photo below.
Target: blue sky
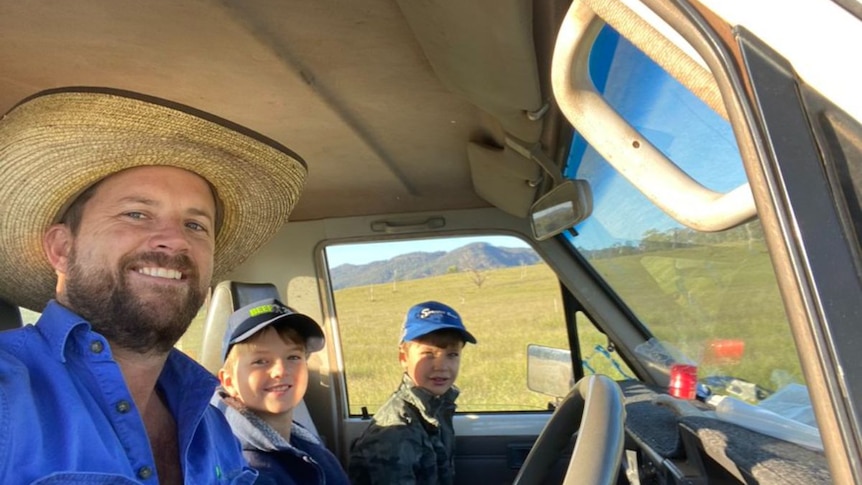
(377, 251)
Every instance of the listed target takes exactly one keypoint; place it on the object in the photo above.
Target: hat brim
(303, 324)
(55, 145)
(467, 336)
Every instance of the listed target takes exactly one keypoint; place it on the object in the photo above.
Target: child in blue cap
(264, 377)
(411, 438)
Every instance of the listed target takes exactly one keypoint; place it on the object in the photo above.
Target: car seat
(10, 316)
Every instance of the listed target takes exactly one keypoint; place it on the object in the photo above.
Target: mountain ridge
(478, 256)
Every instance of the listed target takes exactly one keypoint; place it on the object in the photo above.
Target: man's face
(431, 367)
(269, 375)
(141, 262)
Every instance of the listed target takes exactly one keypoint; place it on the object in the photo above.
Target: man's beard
(124, 318)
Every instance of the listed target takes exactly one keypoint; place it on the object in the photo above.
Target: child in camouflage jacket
(411, 439)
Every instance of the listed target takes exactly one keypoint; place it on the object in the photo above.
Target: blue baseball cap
(256, 316)
(431, 316)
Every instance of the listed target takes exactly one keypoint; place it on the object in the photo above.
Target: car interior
(685, 175)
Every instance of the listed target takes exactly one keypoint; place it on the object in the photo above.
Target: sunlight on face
(269, 375)
(141, 262)
(431, 367)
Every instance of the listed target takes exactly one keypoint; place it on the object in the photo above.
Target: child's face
(432, 367)
(269, 375)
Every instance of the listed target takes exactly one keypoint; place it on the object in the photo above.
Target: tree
(477, 276)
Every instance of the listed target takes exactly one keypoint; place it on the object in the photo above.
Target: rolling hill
(472, 257)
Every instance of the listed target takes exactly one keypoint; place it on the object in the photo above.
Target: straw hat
(56, 144)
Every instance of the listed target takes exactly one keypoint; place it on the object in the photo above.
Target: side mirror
(549, 370)
(564, 206)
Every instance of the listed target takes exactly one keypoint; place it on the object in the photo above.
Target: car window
(506, 295)
(598, 353)
(28, 316)
(707, 297)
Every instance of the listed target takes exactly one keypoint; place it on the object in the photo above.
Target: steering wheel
(594, 409)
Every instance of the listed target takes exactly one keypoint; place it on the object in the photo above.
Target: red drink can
(683, 381)
(724, 351)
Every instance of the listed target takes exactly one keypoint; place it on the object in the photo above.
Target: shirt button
(145, 472)
(97, 347)
(123, 407)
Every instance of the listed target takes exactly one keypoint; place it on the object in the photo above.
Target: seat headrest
(228, 296)
(243, 294)
(10, 316)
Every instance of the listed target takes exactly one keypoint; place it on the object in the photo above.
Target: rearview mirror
(564, 206)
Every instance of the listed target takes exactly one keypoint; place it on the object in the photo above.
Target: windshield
(709, 298)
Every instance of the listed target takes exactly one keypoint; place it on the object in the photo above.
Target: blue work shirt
(67, 416)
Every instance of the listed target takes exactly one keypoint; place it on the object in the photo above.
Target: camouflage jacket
(411, 440)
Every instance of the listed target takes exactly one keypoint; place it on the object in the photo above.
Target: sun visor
(503, 177)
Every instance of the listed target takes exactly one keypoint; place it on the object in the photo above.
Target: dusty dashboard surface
(679, 441)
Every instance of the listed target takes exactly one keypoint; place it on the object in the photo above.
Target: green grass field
(518, 306)
(715, 293)
(512, 307)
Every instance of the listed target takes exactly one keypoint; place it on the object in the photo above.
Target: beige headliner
(343, 83)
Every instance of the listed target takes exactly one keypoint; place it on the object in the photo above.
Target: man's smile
(161, 273)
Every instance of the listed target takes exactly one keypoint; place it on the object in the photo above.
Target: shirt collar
(182, 372)
(56, 324)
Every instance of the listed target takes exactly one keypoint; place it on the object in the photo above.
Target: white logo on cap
(428, 313)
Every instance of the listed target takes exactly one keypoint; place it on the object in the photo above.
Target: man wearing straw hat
(118, 212)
